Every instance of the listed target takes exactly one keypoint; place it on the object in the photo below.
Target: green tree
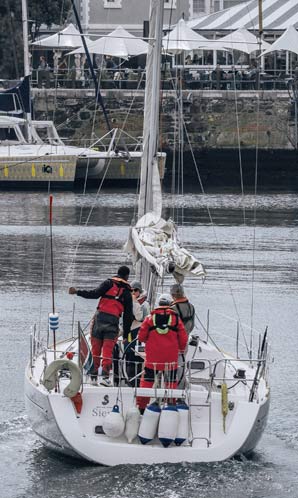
(40, 12)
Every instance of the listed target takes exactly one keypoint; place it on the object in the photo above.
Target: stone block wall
(213, 120)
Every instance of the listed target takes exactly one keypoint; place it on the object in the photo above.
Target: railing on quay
(188, 79)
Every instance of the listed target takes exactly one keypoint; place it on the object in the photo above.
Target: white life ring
(50, 379)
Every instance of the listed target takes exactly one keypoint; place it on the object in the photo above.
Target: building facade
(102, 16)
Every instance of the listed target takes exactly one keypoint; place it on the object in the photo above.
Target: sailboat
(222, 401)
(32, 153)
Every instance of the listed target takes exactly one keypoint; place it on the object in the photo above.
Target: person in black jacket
(115, 301)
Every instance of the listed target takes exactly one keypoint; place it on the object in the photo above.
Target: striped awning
(277, 15)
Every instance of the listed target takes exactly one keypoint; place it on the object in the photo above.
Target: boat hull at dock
(29, 166)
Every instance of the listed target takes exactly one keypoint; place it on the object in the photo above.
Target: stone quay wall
(213, 119)
(220, 124)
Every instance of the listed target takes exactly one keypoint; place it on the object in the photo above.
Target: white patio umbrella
(120, 43)
(243, 40)
(184, 39)
(68, 37)
(287, 41)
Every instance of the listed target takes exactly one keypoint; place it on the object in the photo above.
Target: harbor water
(88, 235)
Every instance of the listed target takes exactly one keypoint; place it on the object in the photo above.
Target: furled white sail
(155, 240)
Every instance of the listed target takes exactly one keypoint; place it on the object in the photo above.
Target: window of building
(170, 4)
(112, 4)
(198, 7)
(217, 5)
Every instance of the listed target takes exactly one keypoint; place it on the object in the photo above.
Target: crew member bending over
(115, 300)
(164, 335)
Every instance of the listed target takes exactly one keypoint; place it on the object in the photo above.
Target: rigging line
(237, 122)
(254, 227)
(56, 74)
(175, 148)
(57, 71)
(238, 140)
(173, 187)
(69, 272)
(181, 147)
(130, 107)
(121, 130)
(61, 13)
(12, 30)
(84, 191)
(97, 90)
(207, 332)
(214, 232)
(43, 267)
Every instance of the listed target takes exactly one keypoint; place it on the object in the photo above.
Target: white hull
(48, 159)
(42, 163)
(54, 418)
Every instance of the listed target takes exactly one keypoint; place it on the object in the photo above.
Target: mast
(260, 19)
(150, 189)
(25, 38)
(26, 62)
(151, 109)
(260, 58)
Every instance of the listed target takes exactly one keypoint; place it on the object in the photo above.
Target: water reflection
(227, 251)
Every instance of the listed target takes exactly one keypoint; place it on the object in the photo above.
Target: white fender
(183, 421)
(113, 424)
(132, 423)
(168, 425)
(50, 376)
(149, 423)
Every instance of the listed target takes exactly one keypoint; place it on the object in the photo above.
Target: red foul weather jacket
(163, 343)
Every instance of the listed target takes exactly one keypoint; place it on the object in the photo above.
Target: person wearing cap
(114, 301)
(164, 336)
(183, 307)
(141, 309)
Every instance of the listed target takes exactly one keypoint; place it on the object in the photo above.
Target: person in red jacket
(115, 300)
(164, 336)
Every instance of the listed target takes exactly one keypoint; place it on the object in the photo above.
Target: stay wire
(214, 232)
(70, 270)
(238, 140)
(254, 229)
(43, 268)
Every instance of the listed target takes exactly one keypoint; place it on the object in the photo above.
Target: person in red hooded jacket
(115, 301)
(164, 336)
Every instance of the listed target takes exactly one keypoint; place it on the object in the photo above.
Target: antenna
(53, 317)
(52, 258)
(26, 62)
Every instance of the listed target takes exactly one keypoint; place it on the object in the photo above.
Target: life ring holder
(50, 376)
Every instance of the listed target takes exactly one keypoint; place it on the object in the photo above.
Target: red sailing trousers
(102, 349)
(147, 380)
